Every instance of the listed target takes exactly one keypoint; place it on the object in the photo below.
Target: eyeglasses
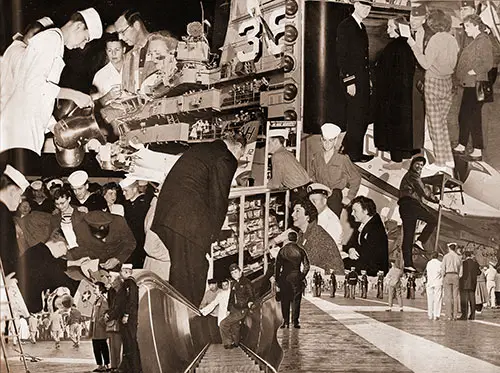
(123, 31)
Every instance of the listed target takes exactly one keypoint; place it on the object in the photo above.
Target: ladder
(16, 331)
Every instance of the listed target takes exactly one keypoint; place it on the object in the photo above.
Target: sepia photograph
(233, 186)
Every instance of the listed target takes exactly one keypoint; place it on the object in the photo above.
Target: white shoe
(459, 148)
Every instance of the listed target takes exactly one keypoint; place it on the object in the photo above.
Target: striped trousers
(438, 98)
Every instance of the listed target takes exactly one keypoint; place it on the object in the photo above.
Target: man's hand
(346, 200)
(250, 304)
(353, 254)
(106, 317)
(344, 255)
(83, 209)
(351, 90)
(471, 72)
(10, 280)
(110, 263)
(125, 319)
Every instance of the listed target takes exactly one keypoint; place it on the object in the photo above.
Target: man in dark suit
(290, 278)
(467, 285)
(191, 209)
(369, 248)
(353, 64)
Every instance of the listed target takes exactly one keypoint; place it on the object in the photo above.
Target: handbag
(484, 91)
(112, 326)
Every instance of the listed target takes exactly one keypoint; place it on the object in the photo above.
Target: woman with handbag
(473, 65)
(98, 330)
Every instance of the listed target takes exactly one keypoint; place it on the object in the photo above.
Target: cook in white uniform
(27, 113)
(12, 56)
(108, 80)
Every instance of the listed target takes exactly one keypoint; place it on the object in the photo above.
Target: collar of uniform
(362, 225)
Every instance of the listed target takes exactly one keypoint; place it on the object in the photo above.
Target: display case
(255, 215)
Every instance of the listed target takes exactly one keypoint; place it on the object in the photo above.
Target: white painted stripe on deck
(487, 323)
(414, 352)
(57, 360)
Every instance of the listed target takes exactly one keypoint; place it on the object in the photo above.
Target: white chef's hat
(127, 182)
(45, 22)
(277, 132)
(330, 130)
(78, 178)
(17, 177)
(93, 22)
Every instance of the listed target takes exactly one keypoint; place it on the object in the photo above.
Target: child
(380, 284)
(393, 279)
(364, 284)
(411, 285)
(352, 280)
(56, 326)
(346, 286)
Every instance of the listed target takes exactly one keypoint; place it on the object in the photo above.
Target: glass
(123, 31)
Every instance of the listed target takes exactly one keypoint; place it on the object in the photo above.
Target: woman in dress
(318, 244)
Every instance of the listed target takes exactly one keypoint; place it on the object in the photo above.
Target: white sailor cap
(127, 182)
(36, 185)
(330, 130)
(45, 22)
(53, 182)
(93, 22)
(17, 177)
(127, 266)
(277, 132)
(317, 188)
(78, 178)
(452, 245)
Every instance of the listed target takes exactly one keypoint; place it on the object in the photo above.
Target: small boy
(346, 286)
(364, 284)
(411, 285)
(393, 279)
(380, 284)
(352, 280)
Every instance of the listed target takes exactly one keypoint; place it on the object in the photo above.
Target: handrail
(259, 360)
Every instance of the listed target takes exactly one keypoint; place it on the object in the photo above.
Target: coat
(9, 249)
(194, 198)
(97, 324)
(372, 246)
(352, 55)
(393, 123)
(320, 248)
(470, 271)
(477, 56)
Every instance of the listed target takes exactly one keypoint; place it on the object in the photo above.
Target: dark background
(81, 65)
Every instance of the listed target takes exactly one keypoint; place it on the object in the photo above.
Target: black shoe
(296, 326)
(234, 345)
(285, 325)
(228, 347)
(418, 246)
(363, 158)
(462, 318)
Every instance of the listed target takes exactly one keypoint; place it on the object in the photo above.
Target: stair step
(217, 359)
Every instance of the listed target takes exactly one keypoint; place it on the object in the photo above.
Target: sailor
(84, 200)
(27, 115)
(136, 208)
(353, 64)
(12, 56)
(318, 195)
(103, 236)
(334, 170)
(126, 313)
(411, 208)
(40, 200)
(12, 186)
(287, 172)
